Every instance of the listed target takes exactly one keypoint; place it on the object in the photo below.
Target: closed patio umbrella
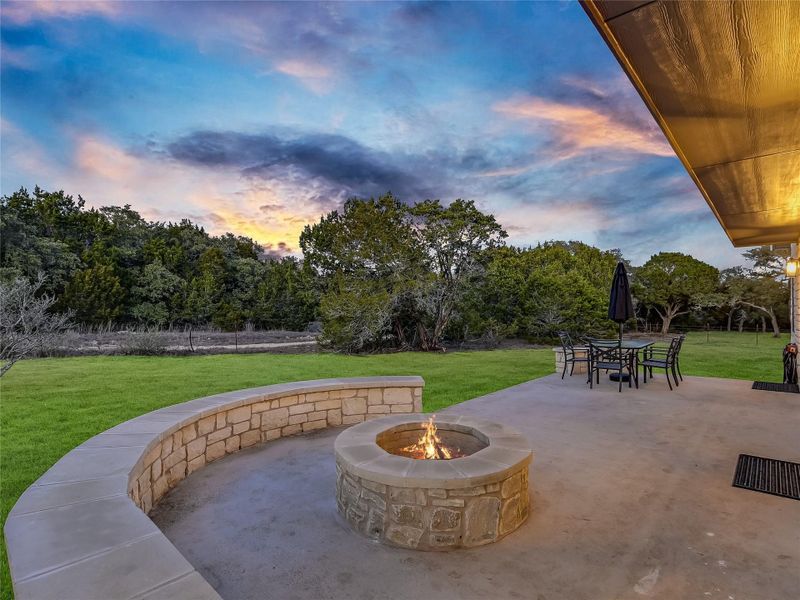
(620, 305)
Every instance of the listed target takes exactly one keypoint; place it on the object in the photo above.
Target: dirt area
(150, 342)
(76, 343)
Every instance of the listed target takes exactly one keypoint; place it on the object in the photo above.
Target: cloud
(27, 11)
(335, 162)
(532, 223)
(316, 77)
(579, 129)
(94, 156)
(317, 44)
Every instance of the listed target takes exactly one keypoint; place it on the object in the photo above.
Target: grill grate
(776, 387)
(768, 475)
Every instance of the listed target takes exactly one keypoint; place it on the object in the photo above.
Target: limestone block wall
(261, 418)
(80, 531)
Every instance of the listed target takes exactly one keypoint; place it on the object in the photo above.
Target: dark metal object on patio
(768, 475)
(612, 356)
(766, 386)
(664, 358)
(620, 306)
(790, 364)
(570, 356)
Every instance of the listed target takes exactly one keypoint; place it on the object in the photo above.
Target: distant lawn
(50, 406)
(734, 355)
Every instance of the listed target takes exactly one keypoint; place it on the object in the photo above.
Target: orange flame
(429, 446)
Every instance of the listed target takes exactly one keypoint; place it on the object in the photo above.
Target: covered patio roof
(722, 79)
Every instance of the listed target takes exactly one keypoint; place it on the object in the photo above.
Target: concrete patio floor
(631, 498)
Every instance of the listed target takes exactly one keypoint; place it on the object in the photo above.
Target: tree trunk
(730, 318)
(670, 312)
(776, 328)
(741, 323)
(666, 320)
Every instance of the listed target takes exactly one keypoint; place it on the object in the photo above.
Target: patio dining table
(629, 344)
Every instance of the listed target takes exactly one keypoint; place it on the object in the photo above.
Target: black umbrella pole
(616, 376)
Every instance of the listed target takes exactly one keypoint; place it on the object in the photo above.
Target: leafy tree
(368, 238)
(207, 290)
(538, 291)
(357, 315)
(733, 288)
(95, 295)
(455, 239)
(370, 247)
(154, 295)
(671, 282)
(410, 266)
(286, 297)
(26, 250)
(769, 296)
(228, 317)
(767, 262)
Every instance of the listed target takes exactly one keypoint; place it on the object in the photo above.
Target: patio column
(795, 299)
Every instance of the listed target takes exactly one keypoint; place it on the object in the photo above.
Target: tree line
(379, 274)
(110, 265)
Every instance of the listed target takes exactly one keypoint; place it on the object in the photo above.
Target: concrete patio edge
(81, 530)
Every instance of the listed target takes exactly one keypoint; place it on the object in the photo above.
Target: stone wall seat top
(81, 530)
(507, 452)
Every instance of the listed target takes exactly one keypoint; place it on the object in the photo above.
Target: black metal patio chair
(664, 358)
(681, 339)
(610, 356)
(570, 351)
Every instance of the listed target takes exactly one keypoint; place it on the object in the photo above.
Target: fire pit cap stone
(506, 452)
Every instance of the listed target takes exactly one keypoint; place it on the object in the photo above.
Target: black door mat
(776, 387)
(768, 475)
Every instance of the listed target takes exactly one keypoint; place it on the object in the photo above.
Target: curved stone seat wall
(81, 530)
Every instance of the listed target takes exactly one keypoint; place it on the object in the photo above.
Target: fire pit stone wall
(433, 504)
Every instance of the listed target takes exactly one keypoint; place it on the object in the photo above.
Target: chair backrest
(606, 351)
(566, 341)
(674, 348)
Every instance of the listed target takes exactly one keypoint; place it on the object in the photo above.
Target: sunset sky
(257, 118)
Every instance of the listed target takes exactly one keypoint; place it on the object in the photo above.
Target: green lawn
(50, 406)
(734, 355)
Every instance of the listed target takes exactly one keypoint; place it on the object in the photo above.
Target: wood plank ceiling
(722, 79)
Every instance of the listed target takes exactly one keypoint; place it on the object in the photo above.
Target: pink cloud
(579, 129)
(316, 77)
(99, 158)
(34, 10)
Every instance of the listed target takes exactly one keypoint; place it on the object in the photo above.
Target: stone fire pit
(432, 504)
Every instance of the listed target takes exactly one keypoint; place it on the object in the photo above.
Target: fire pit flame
(430, 446)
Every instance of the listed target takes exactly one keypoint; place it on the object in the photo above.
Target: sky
(259, 117)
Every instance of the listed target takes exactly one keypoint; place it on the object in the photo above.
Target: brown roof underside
(722, 80)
